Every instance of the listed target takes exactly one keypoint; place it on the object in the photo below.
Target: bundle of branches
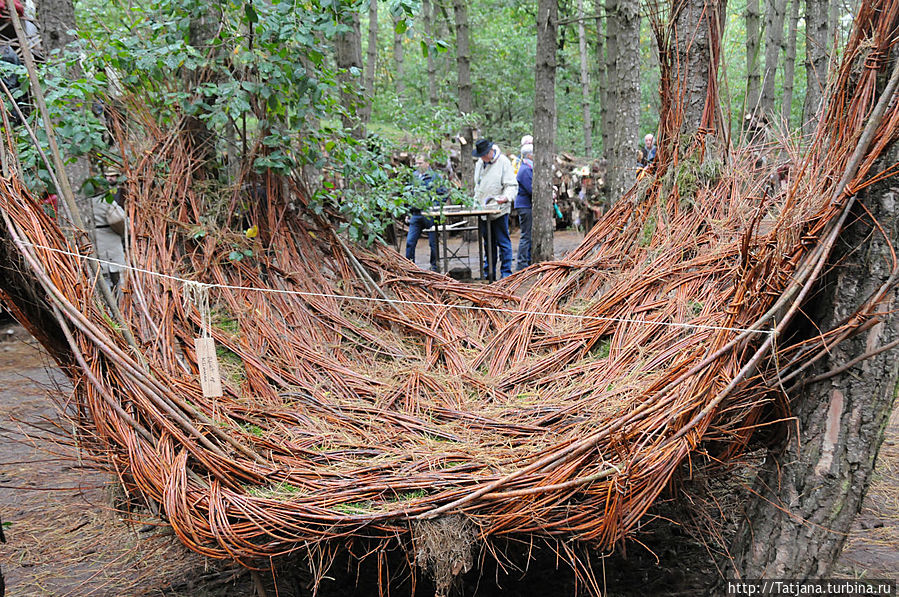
(362, 395)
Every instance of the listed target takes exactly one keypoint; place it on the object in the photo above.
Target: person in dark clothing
(428, 182)
(523, 205)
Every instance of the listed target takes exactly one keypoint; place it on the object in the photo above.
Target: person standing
(495, 186)
(426, 183)
(523, 205)
(109, 231)
(648, 150)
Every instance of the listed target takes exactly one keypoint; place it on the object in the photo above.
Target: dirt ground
(67, 537)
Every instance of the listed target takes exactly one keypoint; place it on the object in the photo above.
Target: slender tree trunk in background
(816, 38)
(808, 492)
(601, 73)
(371, 60)
(775, 11)
(399, 59)
(624, 90)
(55, 19)
(611, 76)
(790, 63)
(544, 130)
(349, 56)
(463, 67)
(753, 42)
(833, 17)
(429, 39)
(585, 80)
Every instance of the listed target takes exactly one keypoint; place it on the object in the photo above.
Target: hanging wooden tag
(208, 362)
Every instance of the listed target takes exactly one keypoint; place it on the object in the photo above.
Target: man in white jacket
(495, 186)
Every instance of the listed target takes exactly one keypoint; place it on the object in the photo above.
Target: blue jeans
(524, 245)
(418, 223)
(499, 228)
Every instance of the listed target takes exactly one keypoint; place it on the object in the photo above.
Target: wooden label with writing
(208, 363)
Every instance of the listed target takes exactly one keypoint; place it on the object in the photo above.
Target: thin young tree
(463, 69)
(601, 71)
(371, 60)
(426, 19)
(790, 62)
(753, 43)
(399, 58)
(348, 56)
(544, 130)
(585, 80)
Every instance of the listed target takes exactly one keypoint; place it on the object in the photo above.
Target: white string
(194, 284)
(198, 293)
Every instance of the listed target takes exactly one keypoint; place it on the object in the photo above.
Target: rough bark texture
(585, 80)
(609, 99)
(775, 11)
(429, 38)
(624, 92)
(544, 131)
(810, 492)
(463, 68)
(816, 37)
(371, 60)
(348, 55)
(601, 73)
(753, 43)
(399, 59)
(697, 30)
(790, 63)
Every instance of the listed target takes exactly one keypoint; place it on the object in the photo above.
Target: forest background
(336, 87)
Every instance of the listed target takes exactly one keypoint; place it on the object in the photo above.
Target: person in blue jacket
(425, 181)
(523, 204)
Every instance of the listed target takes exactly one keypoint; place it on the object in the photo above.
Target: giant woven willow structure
(363, 394)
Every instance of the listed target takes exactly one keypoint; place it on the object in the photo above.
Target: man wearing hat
(523, 204)
(495, 187)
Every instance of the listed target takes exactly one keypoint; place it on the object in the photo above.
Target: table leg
(491, 266)
(445, 251)
(479, 262)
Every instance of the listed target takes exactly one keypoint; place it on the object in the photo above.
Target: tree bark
(608, 107)
(463, 68)
(816, 37)
(601, 73)
(809, 492)
(623, 18)
(753, 43)
(348, 55)
(371, 60)
(790, 63)
(399, 59)
(585, 81)
(429, 40)
(544, 130)
(775, 11)
(698, 26)
(55, 19)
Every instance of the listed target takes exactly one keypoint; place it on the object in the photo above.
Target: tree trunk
(809, 492)
(544, 130)
(55, 19)
(463, 67)
(348, 55)
(623, 18)
(753, 42)
(790, 63)
(585, 80)
(775, 10)
(399, 59)
(601, 73)
(371, 60)
(429, 39)
(816, 37)
(608, 107)
(698, 26)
